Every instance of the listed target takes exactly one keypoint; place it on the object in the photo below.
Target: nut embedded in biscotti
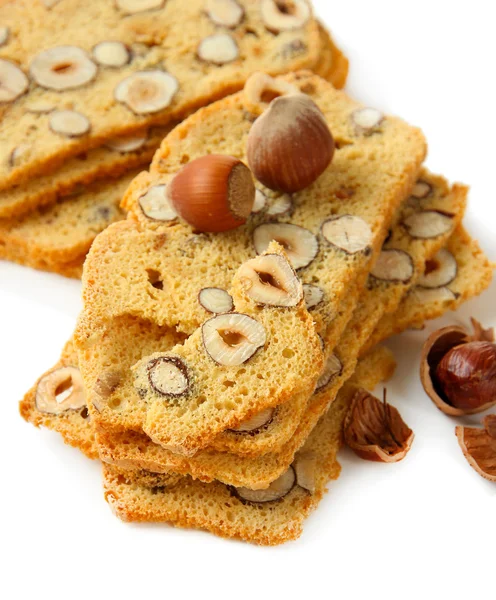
(375, 431)
(218, 49)
(348, 233)
(313, 295)
(168, 376)
(147, 92)
(156, 205)
(439, 271)
(256, 423)
(13, 82)
(18, 153)
(4, 35)
(270, 280)
(131, 7)
(394, 266)
(62, 68)
(428, 224)
(305, 469)
(458, 369)
(60, 390)
(111, 54)
(260, 202)
(69, 123)
(39, 107)
(280, 206)
(233, 338)
(428, 296)
(215, 300)
(129, 143)
(367, 120)
(213, 193)
(421, 190)
(300, 245)
(227, 13)
(260, 89)
(277, 490)
(50, 3)
(479, 447)
(105, 385)
(289, 146)
(283, 15)
(332, 368)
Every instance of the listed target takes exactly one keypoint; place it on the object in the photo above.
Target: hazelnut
(458, 370)
(479, 447)
(290, 144)
(277, 490)
(213, 193)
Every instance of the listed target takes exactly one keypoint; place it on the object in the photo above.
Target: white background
(423, 528)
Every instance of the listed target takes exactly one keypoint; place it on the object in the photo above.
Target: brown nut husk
(479, 447)
(375, 431)
(437, 347)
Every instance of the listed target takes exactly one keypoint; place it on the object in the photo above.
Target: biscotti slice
(58, 237)
(73, 86)
(455, 274)
(270, 517)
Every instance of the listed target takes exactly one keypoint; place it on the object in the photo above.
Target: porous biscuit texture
(66, 95)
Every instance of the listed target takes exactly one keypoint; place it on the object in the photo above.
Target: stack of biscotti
(83, 108)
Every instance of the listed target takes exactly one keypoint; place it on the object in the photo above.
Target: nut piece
(256, 423)
(131, 7)
(227, 13)
(129, 143)
(260, 201)
(62, 68)
(213, 193)
(458, 370)
(260, 89)
(18, 153)
(50, 3)
(313, 295)
(13, 82)
(332, 368)
(233, 338)
(276, 491)
(422, 189)
(429, 296)
(147, 92)
(282, 15)
(218, 49)
(290, 145)
(300, 245)
(375, 431)
(348, 233)
(439, 271)
(111, 54)
(60, 390)
(156, 205)
(4, 35)
(283, 205)
(39, 106)
(270, 280)
(215, 300)
(105, 385)
(428, 224)
(393, 265)
(69, 123)
(305, 469)
(479, 447)
(168, 376)
(367, 120)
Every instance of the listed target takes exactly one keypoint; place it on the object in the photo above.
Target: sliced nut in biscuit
(270, 280)
(69, 123)
(156, 205)
(233, 338)
(105, 385)
(13, 82)
(439, 271)
(147, 92)
(367, 120)
(168, 376)
(393, 265)
(428, 296)
(276, 491)
(300, 245)
(62, 68)
(215, 300)
(305, 469)
(18, 153)
(111, 54)
(255, 423)
(4, 35)
(129, 143)
(348, 233)
(260, 202)
(39, 106)
(421, 190)
(282, 15)
(60, 390)
(218, 49)
(313, 295)
(428, 224)
(260, 89)
(227, 13)
(281, 206)
(50, 3)
(131, 7)
(332, 368)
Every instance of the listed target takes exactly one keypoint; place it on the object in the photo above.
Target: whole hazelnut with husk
(479, 446)
(375, 431)
(213, 193)
(290, 144)
(458, 369)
